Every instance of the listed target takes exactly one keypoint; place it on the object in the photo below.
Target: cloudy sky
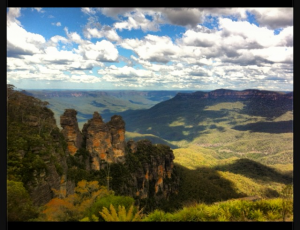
(150, 48)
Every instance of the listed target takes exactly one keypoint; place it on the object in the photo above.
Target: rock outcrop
(71, 132)
(51, 174)
(152, 175)
(105, 141)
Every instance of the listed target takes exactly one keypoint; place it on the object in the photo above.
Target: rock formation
(71, 132)
(105, 141)
(53, 174)
(155, 174)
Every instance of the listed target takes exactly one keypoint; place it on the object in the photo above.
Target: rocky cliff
(104, 141)
(154, 176)
(150, 166)
(36, 153)
(53, 176)
(71, 132)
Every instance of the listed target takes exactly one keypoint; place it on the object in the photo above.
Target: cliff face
(53, 176)
(35, 149)
(54, 173)
(71, 132)
(152, 174)
(105, 141)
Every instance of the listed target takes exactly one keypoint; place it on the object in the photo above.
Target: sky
(150, 48)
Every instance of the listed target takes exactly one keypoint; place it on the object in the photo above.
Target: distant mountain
(187, 115)
(107, 103)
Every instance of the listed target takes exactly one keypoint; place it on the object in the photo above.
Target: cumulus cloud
(105, 31)
(273, 18)
(87, 10)
(30, 56)
(183, 16)
(235, 54)
(21, 42)
(93, 29)
(152, 48)
(138, 20)
(73, 36)
(193, 38)
(12, 15)
(115, 11)
(103, 51)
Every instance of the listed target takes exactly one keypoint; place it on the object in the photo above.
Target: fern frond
(106, 215)
(129, 214)
(113, 213)
(122, 213)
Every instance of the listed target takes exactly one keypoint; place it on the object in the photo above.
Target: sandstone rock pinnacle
(71, 132)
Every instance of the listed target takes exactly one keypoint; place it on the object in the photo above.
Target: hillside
(107, 103)
(234, 154)
(45, 162)
(250, 123)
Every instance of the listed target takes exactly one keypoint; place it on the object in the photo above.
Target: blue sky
(150, 48)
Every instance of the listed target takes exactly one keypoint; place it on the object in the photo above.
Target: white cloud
(21, 42)
(273, 18)
(56, 39)
(103, 51)
(275, 54)
(56, 24)
(152, 48)
(84, 79)
(87, 10)
(107, 32)
(12, 15)
(128, 76)
(137, 20)
(38, 9)
(193, 38)
(238, 55)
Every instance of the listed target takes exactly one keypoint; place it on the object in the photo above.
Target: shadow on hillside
(204, 185)
(268, 108)
(255, 170)
(267, 127)
(172, 126)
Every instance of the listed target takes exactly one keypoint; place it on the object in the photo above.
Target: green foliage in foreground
(106, 202)
(19, 204)
(121, 214)
(233, 210)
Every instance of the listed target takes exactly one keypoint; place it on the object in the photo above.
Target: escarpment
(36, 150)
(248, 94)
(149, 168)
(50, 161)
